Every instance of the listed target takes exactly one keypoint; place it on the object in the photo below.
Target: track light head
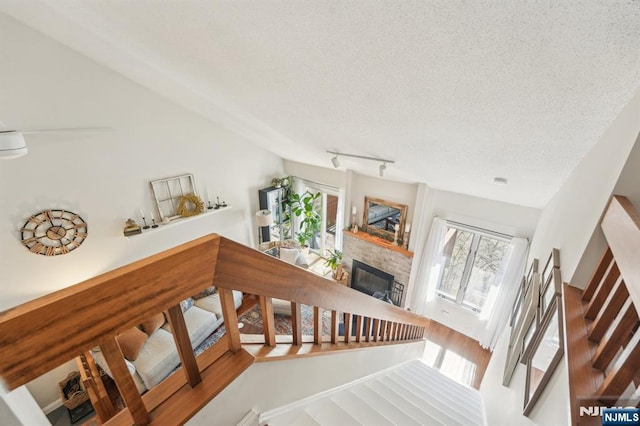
(336, 163)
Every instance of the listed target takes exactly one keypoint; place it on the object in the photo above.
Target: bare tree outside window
(473, 262)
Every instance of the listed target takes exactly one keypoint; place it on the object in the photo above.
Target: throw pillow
(204, 293)
(131, 342)
(289, 255)
(152, 324)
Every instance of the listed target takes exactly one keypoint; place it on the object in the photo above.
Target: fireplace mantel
(379, 242)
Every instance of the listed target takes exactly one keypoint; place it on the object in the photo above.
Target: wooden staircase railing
(42, 334)
(603, 350)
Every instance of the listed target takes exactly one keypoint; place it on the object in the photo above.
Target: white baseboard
(250, 419)
(52, 407)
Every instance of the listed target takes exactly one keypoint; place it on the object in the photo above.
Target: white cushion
(157, 358)
(294, 257)
(212, 303)
(289, 255)
(96, 353)
(200, 323)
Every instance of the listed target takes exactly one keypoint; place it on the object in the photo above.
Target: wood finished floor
(455, 355)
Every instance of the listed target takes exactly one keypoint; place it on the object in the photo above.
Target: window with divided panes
(473, 259)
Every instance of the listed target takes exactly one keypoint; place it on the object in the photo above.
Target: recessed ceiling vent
(500, 180)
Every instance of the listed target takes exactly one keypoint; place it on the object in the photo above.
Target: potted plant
(334, 261)
(302, 205)
(282, 182)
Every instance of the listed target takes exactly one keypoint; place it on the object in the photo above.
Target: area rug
(252, 320)
(252, 324)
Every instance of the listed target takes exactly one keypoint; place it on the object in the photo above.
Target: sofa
(149, 349)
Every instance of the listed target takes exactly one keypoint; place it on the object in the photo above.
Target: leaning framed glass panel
(546, 353)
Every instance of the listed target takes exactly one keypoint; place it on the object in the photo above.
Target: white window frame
(331, 190)
(478, 233)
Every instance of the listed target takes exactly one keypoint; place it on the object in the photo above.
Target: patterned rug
(252, 320)
(252, 324)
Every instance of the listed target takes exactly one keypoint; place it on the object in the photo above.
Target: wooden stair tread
(182, 405)
(185, 403)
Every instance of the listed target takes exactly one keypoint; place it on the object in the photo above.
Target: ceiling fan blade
(69, 130)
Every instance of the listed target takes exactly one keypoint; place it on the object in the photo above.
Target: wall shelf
(207, 212)
(379, 242)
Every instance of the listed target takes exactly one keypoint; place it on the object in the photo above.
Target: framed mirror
(553, 261)
(517, 305)
(527, 341)
(381, 217)
(550, 289)
(522, 289)
(547, 350)
(521, 327)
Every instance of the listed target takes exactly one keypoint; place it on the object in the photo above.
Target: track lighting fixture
(382, 168)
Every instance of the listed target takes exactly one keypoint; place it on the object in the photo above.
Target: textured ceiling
(456, 92)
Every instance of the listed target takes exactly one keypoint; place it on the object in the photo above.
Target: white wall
(267, 385)
(105, 177)
(326, 176)
(397, 192)
(570, 218)
(567, 223)
(18, 408)
(627, 185)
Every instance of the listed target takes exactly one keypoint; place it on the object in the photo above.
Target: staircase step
(417, 398)
(364, 413)
(411, 394)
(413, 405)
(440, 395)
(326, 412)
(298, 418)
(384, 407)
(429, 379)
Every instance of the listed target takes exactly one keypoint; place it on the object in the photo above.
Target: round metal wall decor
(53, 232)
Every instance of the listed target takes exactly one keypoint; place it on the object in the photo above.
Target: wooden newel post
(124, 381)
(230, 319)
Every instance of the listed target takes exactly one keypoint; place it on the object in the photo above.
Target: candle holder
(217, 203)
(210, 206)
(155, 225)
(395, 235)
(405, 242)
(145, 223)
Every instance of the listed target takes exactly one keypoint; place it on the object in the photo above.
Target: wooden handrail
(58, 327)
(243, 268)
(603, 345)
(621, 227)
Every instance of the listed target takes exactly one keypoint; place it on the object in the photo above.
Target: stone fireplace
(374, 282)
(379, 254)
